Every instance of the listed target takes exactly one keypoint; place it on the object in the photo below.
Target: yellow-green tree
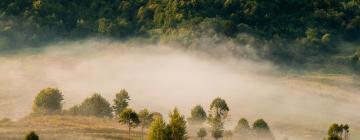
(48, 101)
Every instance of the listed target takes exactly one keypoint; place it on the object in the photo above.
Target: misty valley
(180, 69)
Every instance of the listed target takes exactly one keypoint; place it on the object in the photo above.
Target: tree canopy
(48, 101)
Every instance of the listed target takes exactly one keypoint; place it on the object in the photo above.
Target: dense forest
(285, 31)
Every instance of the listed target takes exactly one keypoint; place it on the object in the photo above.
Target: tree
(218, 113)
(157, 129)
(262, 130)
(243, 128)
(338, 132)
(228, 134)
(121, 101)
(32, 136)
(145, 120)
(95, 105)
(130, 118)
(201, 133)
(177, 126)
(48, 101)
(198, 115)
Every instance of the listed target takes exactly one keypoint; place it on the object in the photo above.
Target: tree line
(49, 101)
(290, 32)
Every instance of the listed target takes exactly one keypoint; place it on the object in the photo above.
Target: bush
(96, 105)
(48, 101)
(32, 136)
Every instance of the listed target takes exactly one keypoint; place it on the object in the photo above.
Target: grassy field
(66, 127)
(337, 88)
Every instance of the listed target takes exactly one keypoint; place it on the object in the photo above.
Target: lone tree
(218, 113)
(121, 101)
(177, 126)
(198, 115)
(48, 101)
(243, 128)
(130, 118)
(338, 132)
(95, 105)
(31, 136)
(262, 129)
(201, 133)
(157, 129)
(145, 120)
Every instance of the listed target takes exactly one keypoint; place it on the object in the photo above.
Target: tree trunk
(129, 132)
(142, 133)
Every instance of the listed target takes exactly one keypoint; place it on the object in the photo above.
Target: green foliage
(96, 105)
(218, 113)
(338, 132)
(262, 130)
(31, 136)
(145, 119)
(130, 118)
(198, 115)
(121, 101)
(157, 129)
(201, 133)
(243, 127)
(311, 33)
(177, 126)
(219, 108)
(48, 101)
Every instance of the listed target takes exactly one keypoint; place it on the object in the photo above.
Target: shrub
(48, 101)
(96, 105)
(32, 136)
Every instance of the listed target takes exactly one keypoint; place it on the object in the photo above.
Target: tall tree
(48, 101)
(145, 120)
(130, 118)
(157, 129)
(121, 101)
(217, 115)
(177, 126)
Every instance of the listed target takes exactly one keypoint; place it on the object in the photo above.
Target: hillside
(302, 34)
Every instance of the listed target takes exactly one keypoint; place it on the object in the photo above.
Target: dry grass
(67, 127)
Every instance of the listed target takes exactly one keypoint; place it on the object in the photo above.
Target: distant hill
(285, 31)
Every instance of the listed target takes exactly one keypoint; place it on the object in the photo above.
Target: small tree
(198, 115)
(48, 101)
(96, 105)
(243, 128)
(157, 129)
(202, 133)
(261, 129)
(177, 126)
(218, 113)
(121, 101)
(32, 136)
(338, 132)
(145, 120)
(130, 118)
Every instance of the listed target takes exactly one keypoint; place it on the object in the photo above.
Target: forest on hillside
(289, 32)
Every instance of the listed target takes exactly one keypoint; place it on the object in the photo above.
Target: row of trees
(49, 102)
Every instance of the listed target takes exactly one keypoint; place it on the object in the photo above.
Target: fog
(160, 77)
